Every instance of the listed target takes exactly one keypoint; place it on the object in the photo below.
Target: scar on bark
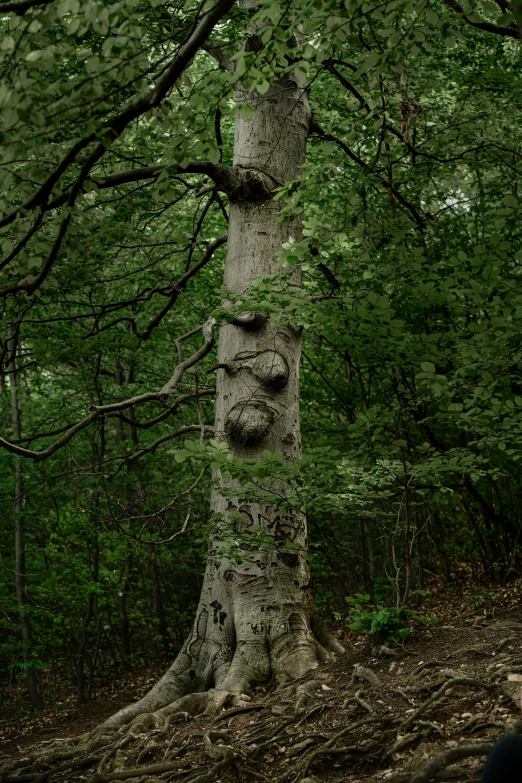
(200, 628)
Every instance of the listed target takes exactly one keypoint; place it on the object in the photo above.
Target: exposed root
(449, 757)
(303, 728)
(328, 747)
(238, 710)
(136, 772)
(214, 772)
(363, 673)
(502, 626)
(467, 681)
(304, 693)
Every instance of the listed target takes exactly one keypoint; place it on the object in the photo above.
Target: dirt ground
(358, 718)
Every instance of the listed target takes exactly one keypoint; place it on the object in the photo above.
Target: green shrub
(381, 622)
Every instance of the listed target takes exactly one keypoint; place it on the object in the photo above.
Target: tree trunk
(19, 523)
(92, 600)
(256, 619)
(122, 606)
(157, 602)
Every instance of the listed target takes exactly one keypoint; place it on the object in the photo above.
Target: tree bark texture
(255, 620)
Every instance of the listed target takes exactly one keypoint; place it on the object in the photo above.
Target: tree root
(304, 693)
(501, 626)
(310, 713)
(363, 673)
(239, 710)
(358, 700)
(136, 772)
(450, 757)
(213, 773)
(162, 745)
(440, 693)
(325, 748)
(42, 777)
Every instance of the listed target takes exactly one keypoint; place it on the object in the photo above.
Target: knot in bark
(249, 422)
(249, 184)
(269, 367)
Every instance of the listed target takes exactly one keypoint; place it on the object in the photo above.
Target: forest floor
(453, 684)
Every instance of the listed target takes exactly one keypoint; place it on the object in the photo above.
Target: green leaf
(214, 155)
(262, 87)
(245, 111)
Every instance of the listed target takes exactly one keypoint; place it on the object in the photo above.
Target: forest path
(21, 727)
(358, 718)
(70, 722)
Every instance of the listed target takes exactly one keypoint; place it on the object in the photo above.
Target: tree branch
(111, 131)
(21, 7)
(100, 410)
(165, 415)
(419, 219)
(182, 282)
(206, 330)
(222, 59)
(169, 436)
(216, 171)
(488, 27)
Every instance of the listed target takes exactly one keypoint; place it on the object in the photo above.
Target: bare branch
(185, 430)
(220, 56)
(450, 756)
(419, 219)
(101, 410)
(217, 172)
(165, 415)
(206, 330)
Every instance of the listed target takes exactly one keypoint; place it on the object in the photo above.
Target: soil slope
(428, 712)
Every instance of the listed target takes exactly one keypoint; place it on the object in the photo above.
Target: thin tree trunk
(371, 552)
(122, 606)
(420, 565)
(82, 650)
(131, 430)
(94, 563)
(31, 672)
(364, 552)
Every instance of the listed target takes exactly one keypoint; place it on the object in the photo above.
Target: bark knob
(269, 367)
(272, 369)
(249, 422)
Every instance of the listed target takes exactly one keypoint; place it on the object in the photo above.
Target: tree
(398, 319)
(20, 553)
(256, 617)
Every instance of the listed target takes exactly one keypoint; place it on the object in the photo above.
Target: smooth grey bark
(256, 620)
(31, 674)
